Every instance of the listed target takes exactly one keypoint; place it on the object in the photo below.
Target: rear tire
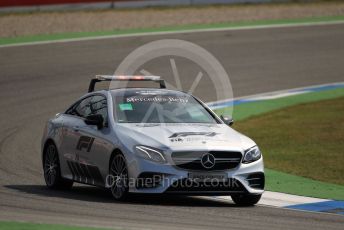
(52, 170)
(119, 172)
(246, 199)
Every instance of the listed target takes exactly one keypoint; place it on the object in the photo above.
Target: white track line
(277, 199)
(282, 25)
(281, 200)
(274, 94)
(292, 89)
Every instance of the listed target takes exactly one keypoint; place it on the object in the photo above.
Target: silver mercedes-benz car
(150, 140)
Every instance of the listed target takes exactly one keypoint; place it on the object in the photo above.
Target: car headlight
(251, 155)
(150, 154)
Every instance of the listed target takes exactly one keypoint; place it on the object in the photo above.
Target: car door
(93, 148)
(73, 120)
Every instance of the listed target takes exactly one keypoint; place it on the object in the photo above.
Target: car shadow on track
(95, 194)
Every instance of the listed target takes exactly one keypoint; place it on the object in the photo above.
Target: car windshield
(159, 107)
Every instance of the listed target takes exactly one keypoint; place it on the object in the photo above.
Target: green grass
(52, 37)
(299, 135)
(305, 139)
(283, 182)
(7, 225)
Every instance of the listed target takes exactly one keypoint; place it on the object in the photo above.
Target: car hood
(183, 136)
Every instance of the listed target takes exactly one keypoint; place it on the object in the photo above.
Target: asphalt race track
(38, 81)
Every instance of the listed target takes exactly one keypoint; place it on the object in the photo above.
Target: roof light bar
(124, 77)
(100, 78)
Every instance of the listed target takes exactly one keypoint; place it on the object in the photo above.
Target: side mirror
(95, 119)
(227, 120)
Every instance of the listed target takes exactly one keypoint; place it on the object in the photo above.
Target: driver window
(81, 109)
(98, 105)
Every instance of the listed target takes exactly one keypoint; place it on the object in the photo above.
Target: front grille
(191, 186)
(192, 160)
(256, 180)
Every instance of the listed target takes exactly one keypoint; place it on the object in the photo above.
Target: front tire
(119, 173)
(52, 170)
(246, 199)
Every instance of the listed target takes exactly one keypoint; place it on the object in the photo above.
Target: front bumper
(245, 178)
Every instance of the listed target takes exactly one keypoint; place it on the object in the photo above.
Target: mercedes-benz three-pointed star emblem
(208, 160)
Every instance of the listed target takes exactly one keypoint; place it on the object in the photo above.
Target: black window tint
(98, 105)
(83, 108)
